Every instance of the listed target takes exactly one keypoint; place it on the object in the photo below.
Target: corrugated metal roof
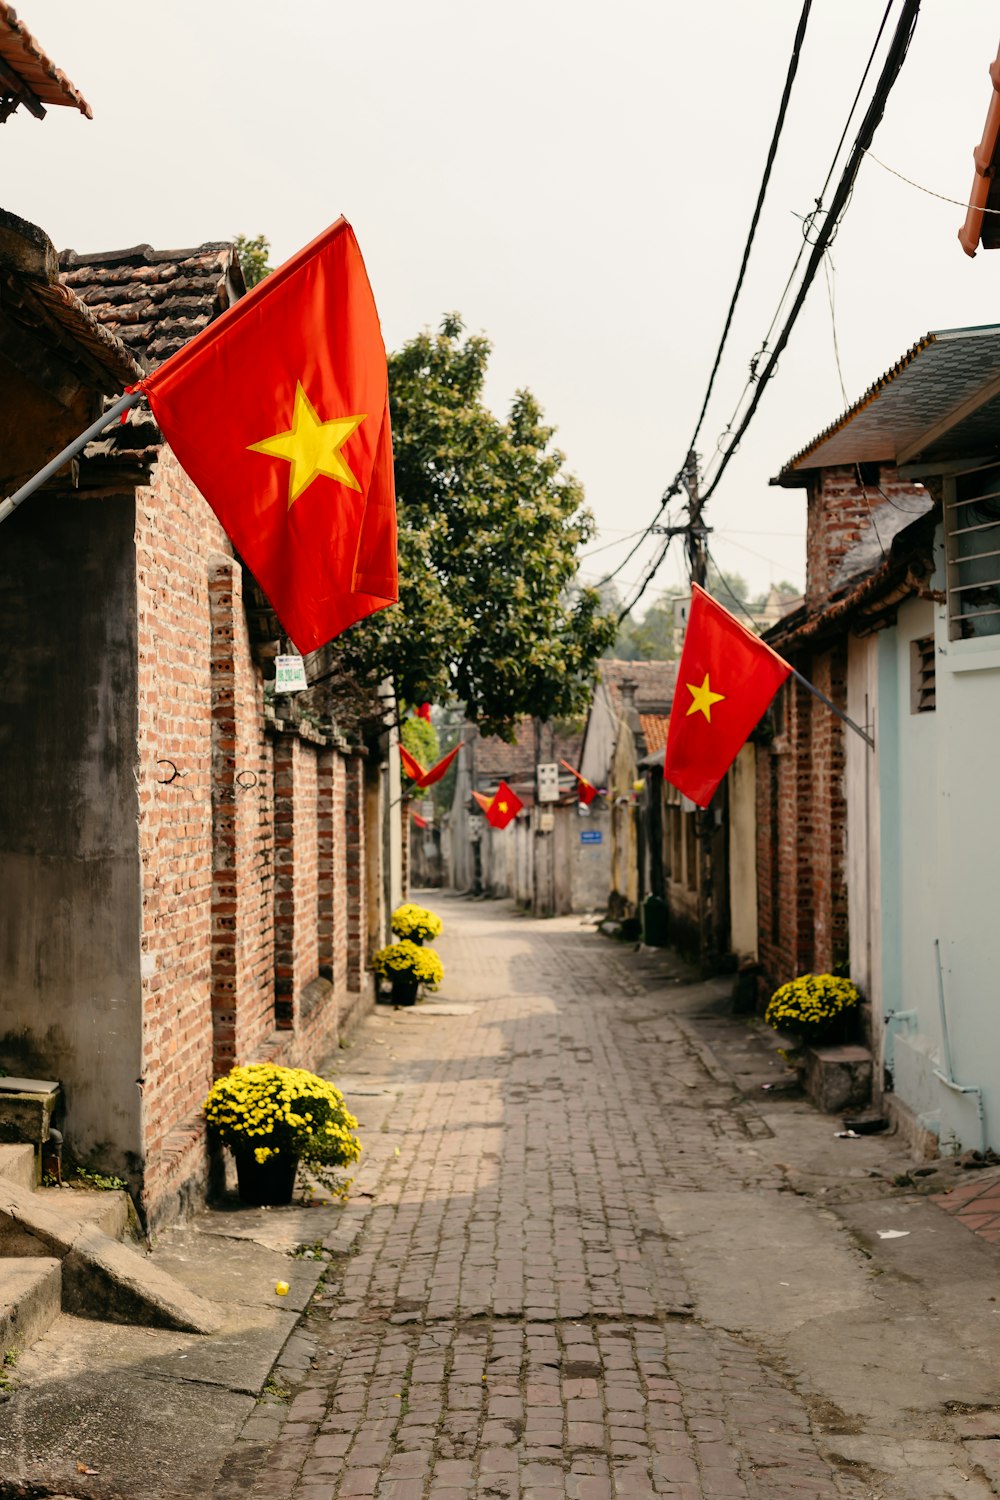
(23, 55)
(940, 372)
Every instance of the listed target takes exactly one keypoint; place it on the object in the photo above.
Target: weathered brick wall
(175, 535)
(253, 858)
(243, 842)
(801, 822)
(841, 501)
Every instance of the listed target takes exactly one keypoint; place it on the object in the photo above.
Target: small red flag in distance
(423, 712)
(416, 772)
(504, 807)
(418, 821)
(587, 791)
(725, 681)
(411, 765)
(437, 771)
(279, 412)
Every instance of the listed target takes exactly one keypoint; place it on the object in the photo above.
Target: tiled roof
(515, 763)
(23, 56)
(654, 729)
(654, 683)
(939, 374)
(34, 298)
(982, 221)
(155, 300)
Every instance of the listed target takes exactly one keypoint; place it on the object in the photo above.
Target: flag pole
(832, 706)
(8, 506)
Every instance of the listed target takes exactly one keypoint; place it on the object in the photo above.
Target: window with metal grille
(922, 688)
(972, 537)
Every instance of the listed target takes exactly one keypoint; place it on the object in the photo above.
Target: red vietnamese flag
(725, 681)
(419, 822)
(504, 807)
(416, 772)
(279, 412)
(587, 791)
(411, 765)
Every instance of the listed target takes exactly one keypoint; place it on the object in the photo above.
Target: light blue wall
(940, 831)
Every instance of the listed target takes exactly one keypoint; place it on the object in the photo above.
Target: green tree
(490, 609)
(253, 257)
(421, 739)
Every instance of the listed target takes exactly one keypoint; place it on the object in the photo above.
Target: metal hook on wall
(174, 773)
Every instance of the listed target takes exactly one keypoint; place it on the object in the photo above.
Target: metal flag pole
(9, 506)
(831, 706)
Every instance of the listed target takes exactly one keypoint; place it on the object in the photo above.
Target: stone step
(838, 1078)
(75, 1209)
(18, 1163)
(30, 1299)
(101, 1277)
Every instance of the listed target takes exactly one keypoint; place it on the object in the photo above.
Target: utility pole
(696, 546)
(696, 534)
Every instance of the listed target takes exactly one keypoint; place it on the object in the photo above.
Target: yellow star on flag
(703, 698)
(311, 447)
(502, 806)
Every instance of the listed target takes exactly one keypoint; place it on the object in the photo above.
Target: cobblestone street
(513, 1321)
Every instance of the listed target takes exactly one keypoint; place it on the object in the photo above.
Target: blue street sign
(591, 836)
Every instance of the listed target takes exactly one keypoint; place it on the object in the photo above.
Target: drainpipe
(947, 1077)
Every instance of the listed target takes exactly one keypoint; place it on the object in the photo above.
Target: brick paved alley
(515, 1320)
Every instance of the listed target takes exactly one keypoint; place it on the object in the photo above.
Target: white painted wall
(940, 830)
(861, 777)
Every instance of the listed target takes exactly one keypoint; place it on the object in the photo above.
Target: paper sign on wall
(290, 674)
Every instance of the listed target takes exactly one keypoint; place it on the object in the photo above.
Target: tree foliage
(253, 257)
(421, 739)
(489, 527)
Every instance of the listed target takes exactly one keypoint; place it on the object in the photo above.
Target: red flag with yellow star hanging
(502, 808)
(725, 681)
(416, 772)
(279, 412)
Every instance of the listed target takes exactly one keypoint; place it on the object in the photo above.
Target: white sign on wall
(289, 674)
(548, 781)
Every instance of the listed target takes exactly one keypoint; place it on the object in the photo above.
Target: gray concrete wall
(69, 864)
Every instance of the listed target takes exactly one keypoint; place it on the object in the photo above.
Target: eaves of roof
(25, 58)
(939, 375)
(984, 199)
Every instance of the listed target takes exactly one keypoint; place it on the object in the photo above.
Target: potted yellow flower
(407, 966)
(271, 1118)
(814, 1007)
(417, 923)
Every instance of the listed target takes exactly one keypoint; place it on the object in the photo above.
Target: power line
(890, 72)
(674, 487)
(793, 65)
(808, 222)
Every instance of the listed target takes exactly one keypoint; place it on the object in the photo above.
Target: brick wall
(801, 822)
(841, 502)
(253, 855)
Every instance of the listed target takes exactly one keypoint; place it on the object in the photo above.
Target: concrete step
(101, 1277)
(75, 1209)
(18, 1163)
(838, 1078)
(30, 1299)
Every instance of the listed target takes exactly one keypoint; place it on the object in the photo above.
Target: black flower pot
(268, 1183)
(404, 988)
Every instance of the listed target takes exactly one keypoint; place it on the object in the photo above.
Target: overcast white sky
(576, 179)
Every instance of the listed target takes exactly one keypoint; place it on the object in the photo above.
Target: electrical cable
(793, 65)
(873, 115)
(807, 223)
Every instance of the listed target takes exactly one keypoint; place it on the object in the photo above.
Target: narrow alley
(596, 1258)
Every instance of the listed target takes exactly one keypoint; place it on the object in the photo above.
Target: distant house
(886, 861)
(189, 876)
(540, 859)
